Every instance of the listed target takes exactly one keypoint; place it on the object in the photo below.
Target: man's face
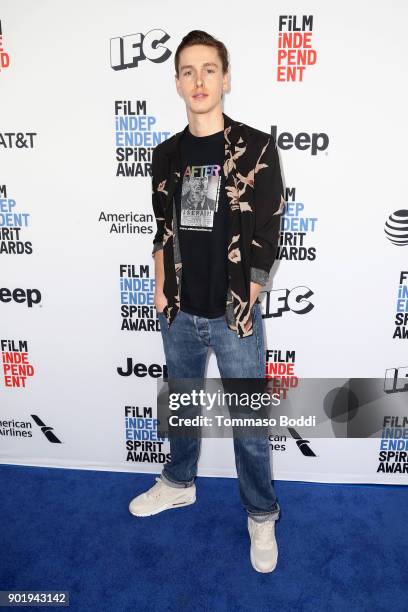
(200, 72)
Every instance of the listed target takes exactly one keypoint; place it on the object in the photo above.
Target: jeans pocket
(162, 312)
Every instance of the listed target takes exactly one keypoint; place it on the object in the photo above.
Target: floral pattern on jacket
(254, 190)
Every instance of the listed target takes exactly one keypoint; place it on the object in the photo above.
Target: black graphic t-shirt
(202, 219)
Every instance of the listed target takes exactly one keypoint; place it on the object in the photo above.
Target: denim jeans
(186, 345)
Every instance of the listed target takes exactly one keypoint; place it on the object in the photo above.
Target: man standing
(217, 197)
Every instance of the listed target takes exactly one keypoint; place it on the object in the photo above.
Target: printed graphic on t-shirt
(199, 197)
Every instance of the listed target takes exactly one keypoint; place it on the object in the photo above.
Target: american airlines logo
(46, 429)
(302, 444)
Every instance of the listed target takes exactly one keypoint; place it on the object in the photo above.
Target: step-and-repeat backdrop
(87, 92)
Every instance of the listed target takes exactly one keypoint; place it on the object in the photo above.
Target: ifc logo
(396, 227)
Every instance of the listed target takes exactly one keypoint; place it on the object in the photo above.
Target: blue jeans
(186, 345)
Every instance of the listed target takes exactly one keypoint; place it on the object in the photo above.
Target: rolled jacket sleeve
(268, 204)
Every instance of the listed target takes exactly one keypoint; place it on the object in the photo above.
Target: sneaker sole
(162, 508)
(262, 571)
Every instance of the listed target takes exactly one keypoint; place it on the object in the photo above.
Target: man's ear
(225, 82)
(176, 80)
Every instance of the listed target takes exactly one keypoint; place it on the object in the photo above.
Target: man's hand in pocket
(160, 301)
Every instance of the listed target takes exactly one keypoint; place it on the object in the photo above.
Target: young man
(217, 198)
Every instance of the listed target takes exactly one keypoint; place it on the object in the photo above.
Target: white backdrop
(59, 90)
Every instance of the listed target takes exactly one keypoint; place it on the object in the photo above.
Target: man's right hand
(160, 301)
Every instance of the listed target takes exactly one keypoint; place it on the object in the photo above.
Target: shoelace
(156, 489)
(263, 529)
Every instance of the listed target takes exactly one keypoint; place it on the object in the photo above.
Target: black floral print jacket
(254, 189)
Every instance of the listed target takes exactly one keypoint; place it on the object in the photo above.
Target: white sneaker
(162, 497)
(264, 549)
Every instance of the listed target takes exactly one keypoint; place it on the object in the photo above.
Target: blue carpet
(341, 547)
